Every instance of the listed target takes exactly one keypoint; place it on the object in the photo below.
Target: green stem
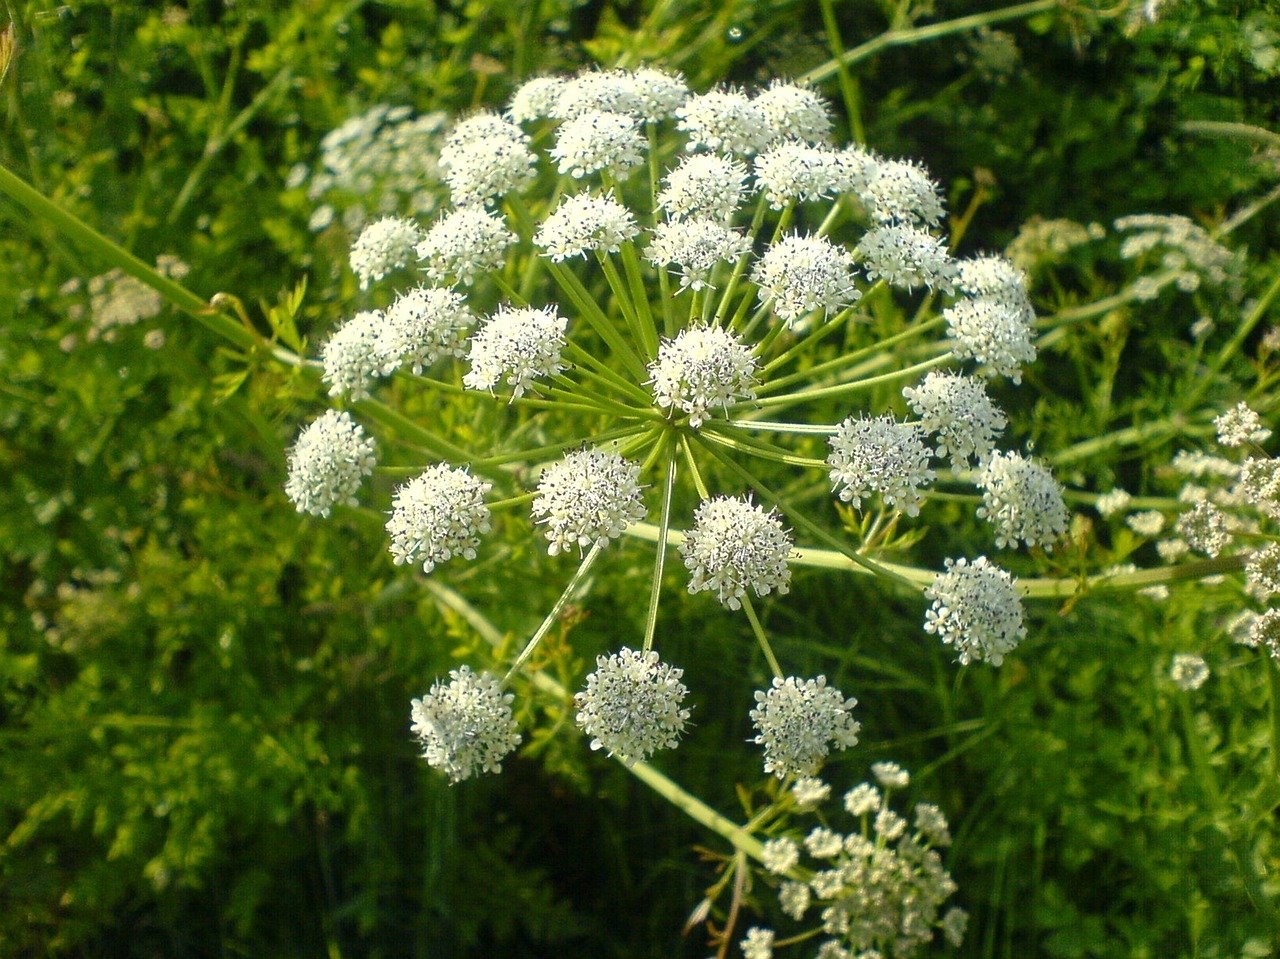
(659, 561)
(551, 617)
(761, 637)
(686, 802)
(849, 89)
(590, 311)
(844, 389)
(897, 38)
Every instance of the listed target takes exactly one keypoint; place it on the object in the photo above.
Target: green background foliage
(204, 696)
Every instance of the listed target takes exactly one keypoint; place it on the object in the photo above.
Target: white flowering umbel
(876, 889)
(957, 409)
(631, 705)
(437, 516)
(977, 609)
(673, 318)
(589, 497)
(465, 725)
(881, 456)
(797, 723)
(1022, 500)
(384, 246)
(735, 546)
(518, 346)
(328, 463)
(701, 369)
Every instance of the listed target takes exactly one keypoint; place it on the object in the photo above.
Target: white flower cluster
(1185, 249)
(437, 516)
(798, 721)
(880, 455)
(560, 302)
(702, 368)
(877, 890)
(380, 162)
(589, 497)
(631, 705)
(735, 546)
(977, 609)
(327, 464)
(1022, 500)
(465, 725)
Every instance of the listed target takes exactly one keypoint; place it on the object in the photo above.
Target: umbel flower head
(517, 345)
(735, 546)
(798, 721)
(465, 725)
(700, 369)
(880, 455)
(977, 609)
(1022, 500)
(437, 516)
(588, 497)
(631, 705)
(675, 313)
(327, 464)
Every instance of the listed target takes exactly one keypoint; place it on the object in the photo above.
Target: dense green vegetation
(204, 695)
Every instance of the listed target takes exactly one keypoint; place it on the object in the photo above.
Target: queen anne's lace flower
(880, 455)
(735, 546)
(800, 274)
(724, 121)
(600, 91)
(592, 142)
(901, 191)
(1022, 500)
(589, 497)
(535, 99)
(907, 257)
(702, 368)
(1204, 527)
(996, 277)
(383, 246)
(697, 247)
(479, 128)
(437, 516)
(1264, 631)
(791, 170)
(958, 410)
(463, 244)
(976, 608)
(518, 345)
(1240, 426)
(795, 112)
(354, 355)
(328, 462)
(799, 720)
(992, 332)
(1262, 572)
(631, 705)
(481, 171)
(780, 854)
(423, 325)
(465, 725)
(660, 93)
(583, 224)
(704, 185)
(758, 943)
(1259, 484)
(1113, 501)
(890, 775)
